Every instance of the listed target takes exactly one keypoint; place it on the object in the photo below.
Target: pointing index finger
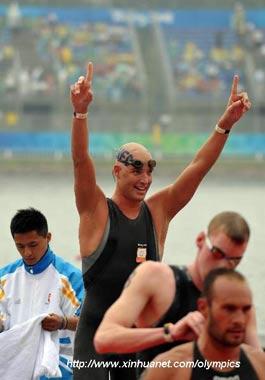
(234, 85)
(89, 73)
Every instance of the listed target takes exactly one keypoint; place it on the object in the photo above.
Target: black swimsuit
(245, 370)
(104, 281)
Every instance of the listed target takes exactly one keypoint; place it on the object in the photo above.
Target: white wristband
(221, 130)
(78, 115)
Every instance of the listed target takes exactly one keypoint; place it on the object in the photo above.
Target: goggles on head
(126, 158)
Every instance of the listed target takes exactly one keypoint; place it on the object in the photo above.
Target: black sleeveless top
(244, 372)
(104, 281)
(185, 300)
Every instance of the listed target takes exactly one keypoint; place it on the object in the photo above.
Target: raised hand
(81, 91)
(238, 104)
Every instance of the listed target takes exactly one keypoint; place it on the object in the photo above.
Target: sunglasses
(126, 158)
(219, 254)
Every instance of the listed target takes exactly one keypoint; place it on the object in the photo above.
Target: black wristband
(167, 334)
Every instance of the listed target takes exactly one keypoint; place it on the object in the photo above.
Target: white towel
(28, 351)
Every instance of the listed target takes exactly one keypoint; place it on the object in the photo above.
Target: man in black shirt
(218, 353)
(110, 250)
(157, 294)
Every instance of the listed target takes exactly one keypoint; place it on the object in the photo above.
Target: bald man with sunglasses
(117, 234)
(162, 300)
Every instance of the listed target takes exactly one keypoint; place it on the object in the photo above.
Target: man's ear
(115, 171)
(200, 239)
(202, 306)
(49, 236)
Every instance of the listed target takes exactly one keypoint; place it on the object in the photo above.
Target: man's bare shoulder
(250, 350)
(156, 200)
(160, 279)
(171, 364)
(156, 272)
(184, 352)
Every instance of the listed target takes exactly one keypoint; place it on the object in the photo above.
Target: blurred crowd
(49, 54)
(43, 55)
